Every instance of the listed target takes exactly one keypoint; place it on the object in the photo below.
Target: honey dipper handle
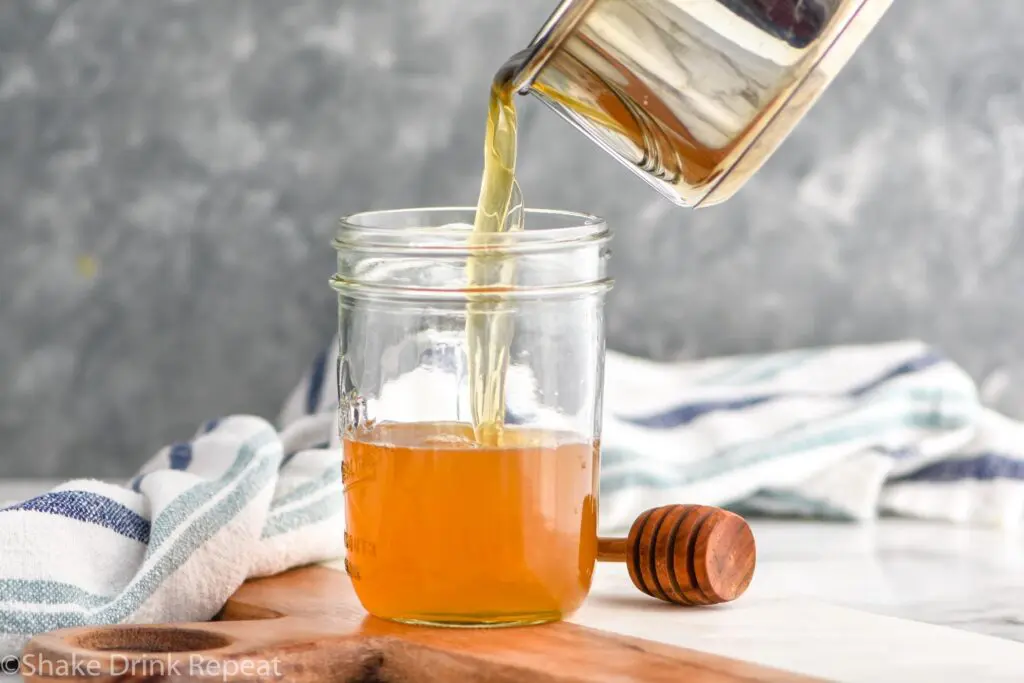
(611, 549)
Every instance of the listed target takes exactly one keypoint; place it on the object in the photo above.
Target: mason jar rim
(387, 242)
(364, 231)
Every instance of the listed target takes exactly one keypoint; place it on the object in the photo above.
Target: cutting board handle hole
(150, 639)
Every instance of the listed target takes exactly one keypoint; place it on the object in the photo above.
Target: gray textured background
(171, 172)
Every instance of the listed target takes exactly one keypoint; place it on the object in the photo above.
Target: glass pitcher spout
(692, 95)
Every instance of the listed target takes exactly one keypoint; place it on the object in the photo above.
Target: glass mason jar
(449, 523)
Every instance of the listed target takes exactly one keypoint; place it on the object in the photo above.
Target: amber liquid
(443, 530)
(489, 324)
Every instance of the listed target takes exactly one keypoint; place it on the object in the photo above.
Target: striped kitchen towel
(842, 433)
(241, 499)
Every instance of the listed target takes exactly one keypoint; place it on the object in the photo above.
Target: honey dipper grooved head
(691, 554)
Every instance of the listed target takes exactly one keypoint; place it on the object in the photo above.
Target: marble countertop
(892, 601)
(967, 579)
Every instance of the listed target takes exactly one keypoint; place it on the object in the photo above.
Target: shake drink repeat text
(171, 665)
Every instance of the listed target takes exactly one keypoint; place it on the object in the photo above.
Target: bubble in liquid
(450, 440)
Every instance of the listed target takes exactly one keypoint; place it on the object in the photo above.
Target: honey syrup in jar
(469, 533)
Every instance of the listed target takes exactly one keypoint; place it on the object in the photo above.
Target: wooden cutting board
(306, 625)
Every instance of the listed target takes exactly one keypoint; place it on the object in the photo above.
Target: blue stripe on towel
(742, 455)
(316, 382)
(91, 508)
(688, 412)
(42, 591)
(911, 366)
(180, 456)
(898, 453)
(985, 467)
(252, 480)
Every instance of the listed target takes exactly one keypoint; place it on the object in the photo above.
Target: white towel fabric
(843, 433)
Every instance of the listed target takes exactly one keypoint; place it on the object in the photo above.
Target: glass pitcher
(692, 95)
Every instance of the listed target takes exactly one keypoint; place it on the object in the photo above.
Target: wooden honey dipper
(686, 554)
